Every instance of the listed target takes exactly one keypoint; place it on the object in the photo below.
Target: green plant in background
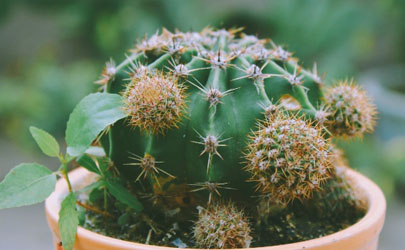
(394, 159)
(43, 94)
(218, 120)
(97, 30)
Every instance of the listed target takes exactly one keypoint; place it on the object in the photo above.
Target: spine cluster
(222, 226)
(352, 112)
(154, 100)
(288, 157)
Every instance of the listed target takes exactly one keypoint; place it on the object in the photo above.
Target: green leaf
(45, 141)
(95, 151)
(123, 195)
(81, 215)
(89, 188)
(95, 195)
(26, 184)
(123, 219)
(88, 163)
(68, 221)
(91, 116)
(105, 167)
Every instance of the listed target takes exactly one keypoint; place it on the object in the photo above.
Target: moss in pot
(215, 139)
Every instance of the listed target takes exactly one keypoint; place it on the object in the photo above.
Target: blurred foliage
(43, 95)
(394, 152)
(366, 156)
(383, 162)
(41, 86)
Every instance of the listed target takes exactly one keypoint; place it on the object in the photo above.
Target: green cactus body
(230, 82)
(217, 121)
(226, 119)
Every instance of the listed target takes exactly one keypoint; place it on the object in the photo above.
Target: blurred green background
(51, 52)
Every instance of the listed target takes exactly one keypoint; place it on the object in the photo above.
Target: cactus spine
(193, 100)
(222, 226)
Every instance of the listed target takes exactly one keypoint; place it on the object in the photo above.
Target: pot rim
(367, 227)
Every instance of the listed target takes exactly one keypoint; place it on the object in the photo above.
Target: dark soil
(328, 212)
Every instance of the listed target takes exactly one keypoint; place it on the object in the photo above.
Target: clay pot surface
(361, 236)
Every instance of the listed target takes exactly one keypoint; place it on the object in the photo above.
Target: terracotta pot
(362, 235)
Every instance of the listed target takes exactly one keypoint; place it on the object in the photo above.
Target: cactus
(222, 226)
(350, 110)
(288, 157)
(217, 120)
(227, 117)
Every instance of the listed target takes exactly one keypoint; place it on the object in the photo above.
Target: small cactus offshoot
(154, 101)
(222, 226)
(288, 157)
(352, 112)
